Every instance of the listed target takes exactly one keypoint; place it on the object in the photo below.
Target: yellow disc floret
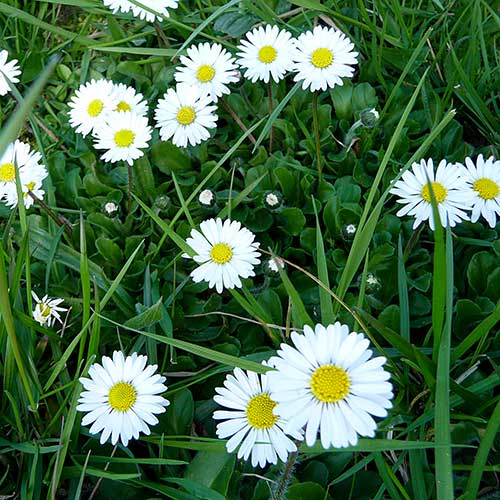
(7, 172)
(124, 138)
(123, 106)
(260, 412)
(95, 107)
(186, 115)
(205, 73)
(45, 309)
(486, 188)
(439, 191)
(267, 54)
(330, 383)
(122, 396)
(221, 253)
(322, 58)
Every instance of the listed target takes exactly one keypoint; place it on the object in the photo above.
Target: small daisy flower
(206, 197)
(129, 100)
(483, 181)
(47, 310)
(91, 103)
(160, 7)
(329, 384)
(8, 71)
(323, 57)
(209, 67)
(29, 185)
(272, 200)
(449, 188)
(122, 397)
(250, 420)
(225, 251)
(123, 135)
(266, 52)
(274, 263)
(185, 116)
(110, 208)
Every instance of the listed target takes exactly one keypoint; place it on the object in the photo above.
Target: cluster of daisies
(457, 189)
(328, 384)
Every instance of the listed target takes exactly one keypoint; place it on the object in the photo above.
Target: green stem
(316, 134)
(130, 187)
(270, 96)
(279, 492)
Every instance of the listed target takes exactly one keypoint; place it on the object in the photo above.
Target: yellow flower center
(205, 73)
(221, 253)
(29, 187)
(7, 172)
(123, 106)
(486, 188)
(439, 191)
(186, 115)
(267, 54)
(124, 138)
(44, 310)
(122, 396)
(330, 383)
(260, 412)
(95, 107)
(322, 58)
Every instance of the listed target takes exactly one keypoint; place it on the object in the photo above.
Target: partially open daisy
(129, 100)
(330, 384)
(159, 8)
(250, 422)
(8, 71)
(47, 310)
(483, 180)
(226, 252)
(123, 135)
(323, 57)
(266, 53)
(450, 191)
(209, 67)
(185, 115)
(91, 103)
(121, 397)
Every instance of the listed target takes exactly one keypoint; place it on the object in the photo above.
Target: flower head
(129, 100)
(323, 57)
(208, 67)
(266, 52)
(274, 263)
(250, 420)
(160, 8)
(47, 310)
(450, 191)
(8, 71)
(122, 397)
(207, 197)
(225, 251)
(329, 384)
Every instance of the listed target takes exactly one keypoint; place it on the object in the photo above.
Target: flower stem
(237, 119)
(284, 481)
(270, 96)
(130, 187)
(316, 134)
(58, 219)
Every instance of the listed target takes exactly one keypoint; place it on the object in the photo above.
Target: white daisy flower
(226, 252)
(121, 397)
(206, 197)
(110, 208)
(272, 200)
(483, 180)
(329, 384)
(274, 263)
(129, 100)
(209, 67)
(159, 6)
(47, 310)
(123, 135)
(185, 116)
(449, 188)
(91, 103)
(250, 421)
(29, 185)
(323, 57)
(8, 71)
(266, 53)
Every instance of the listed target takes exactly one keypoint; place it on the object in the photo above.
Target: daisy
(90, 104)
(129, 100)
(449, 188)
(329, 384)
(275, 263)
(29, 185)
(123, 134)
(209, 67)
(226, 252)
(185, 115)
(266, 53)
(323, 57)
(8, 71)
(121, 397)
(207, 198)
(47, 310)
(158, 6)
(250, 421)
(483, 181)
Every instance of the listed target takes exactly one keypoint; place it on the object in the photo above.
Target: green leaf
(109, 250)
(149, 317)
